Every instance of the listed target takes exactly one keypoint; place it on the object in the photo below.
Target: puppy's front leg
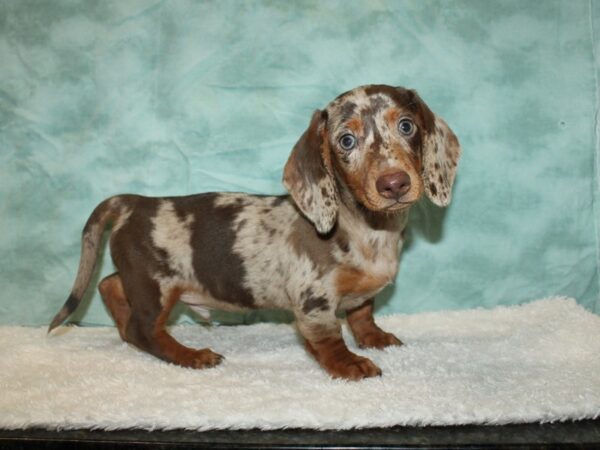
(365, 330)
(323, 335)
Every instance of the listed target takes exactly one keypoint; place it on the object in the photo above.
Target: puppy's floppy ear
(308, 175)
(441, 151)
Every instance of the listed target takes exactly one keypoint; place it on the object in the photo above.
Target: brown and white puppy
(331, 246)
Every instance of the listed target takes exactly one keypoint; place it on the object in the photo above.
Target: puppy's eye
(348, 142)
(406, 127)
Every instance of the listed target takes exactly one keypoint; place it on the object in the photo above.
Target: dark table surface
(582, 434)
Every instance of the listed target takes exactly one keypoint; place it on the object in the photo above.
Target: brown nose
(393, 185)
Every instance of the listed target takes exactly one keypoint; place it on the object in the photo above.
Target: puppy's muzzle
(393, 185)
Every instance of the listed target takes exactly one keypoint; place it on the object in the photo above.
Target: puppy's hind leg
(174, 351)
(146, 328)
(113, 295)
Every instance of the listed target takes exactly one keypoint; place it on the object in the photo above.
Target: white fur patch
(261, 242)
(173, 235)
(123, 213)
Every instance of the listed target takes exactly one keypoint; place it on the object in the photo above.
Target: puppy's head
(381, 144)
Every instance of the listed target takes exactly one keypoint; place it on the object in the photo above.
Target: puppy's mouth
(376, 203)
(389, 206)
(398, 205)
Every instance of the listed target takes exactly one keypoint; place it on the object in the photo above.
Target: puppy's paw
(353, 367)
(333, 355)
(378, 340)
(207, 358)
(200, 359)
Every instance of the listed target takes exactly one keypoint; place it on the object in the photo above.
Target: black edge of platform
(581, 434)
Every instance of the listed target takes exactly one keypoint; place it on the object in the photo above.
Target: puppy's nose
(393, 185)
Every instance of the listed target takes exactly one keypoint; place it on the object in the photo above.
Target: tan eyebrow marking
(391, 116)
(355, 125)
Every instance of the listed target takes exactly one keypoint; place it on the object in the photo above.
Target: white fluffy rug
(537, 362)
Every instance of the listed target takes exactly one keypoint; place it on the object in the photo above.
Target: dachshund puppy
(329, 246)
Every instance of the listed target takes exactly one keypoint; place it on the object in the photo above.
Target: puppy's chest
(369, 265)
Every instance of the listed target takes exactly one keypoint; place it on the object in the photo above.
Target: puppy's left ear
(441, 152)
(308, 175)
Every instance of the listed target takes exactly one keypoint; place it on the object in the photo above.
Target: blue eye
(406, 127)
(348, 142)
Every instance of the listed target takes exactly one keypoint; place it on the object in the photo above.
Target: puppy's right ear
(308, 175)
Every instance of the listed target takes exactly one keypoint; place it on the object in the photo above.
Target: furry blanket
(536, 362)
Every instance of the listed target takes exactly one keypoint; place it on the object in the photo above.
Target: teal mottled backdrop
(177, 97)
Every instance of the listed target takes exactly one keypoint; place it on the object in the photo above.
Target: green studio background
(178, 97)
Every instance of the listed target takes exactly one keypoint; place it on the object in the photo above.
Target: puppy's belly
(203, 303)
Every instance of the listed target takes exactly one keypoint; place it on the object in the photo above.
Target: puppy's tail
(111, 210)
